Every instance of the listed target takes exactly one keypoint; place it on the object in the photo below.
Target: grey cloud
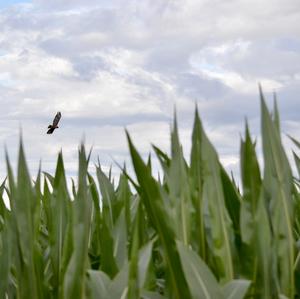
(86, 122)
(196, 86)
(289, 103)
(68, 4)
(267, 59)
(170, 58)
(288, 44)
(87, 67)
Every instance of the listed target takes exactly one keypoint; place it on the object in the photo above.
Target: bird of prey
(54, 124)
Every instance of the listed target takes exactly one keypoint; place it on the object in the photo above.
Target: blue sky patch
(7, 3)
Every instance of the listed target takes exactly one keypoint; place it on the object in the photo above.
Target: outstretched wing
(50, 131)
(56, 119)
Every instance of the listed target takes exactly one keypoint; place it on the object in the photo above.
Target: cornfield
(192, 233)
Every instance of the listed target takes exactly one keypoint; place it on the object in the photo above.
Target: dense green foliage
(191, 234)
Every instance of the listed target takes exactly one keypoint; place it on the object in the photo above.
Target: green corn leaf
(196, 174)
(74, 192)
(57, 212)
(296, 142)
(94, 246)
(119, 234)
(145, 254)
(296, 157)
(74, 280)
(276, 118)
(106, 241)
(133, 275)
(251, 182)
(24, 208)
(232, 199)
(297, 161)
(151, 295)
(118, 288)
(278, 189)
(236, 289)
(108, 262)
(178, 185)
(163, 158)
(124, 196)
(97, 284)
(263, 241)
(108, 197)
(49, 177)
(5, 248)
(218, 222)
(153, 203)
(3, 208)
(149, 162)
(201, 281)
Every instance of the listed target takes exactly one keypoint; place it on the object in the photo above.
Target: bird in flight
(54, 125)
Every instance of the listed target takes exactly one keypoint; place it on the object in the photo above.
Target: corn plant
(192, 233)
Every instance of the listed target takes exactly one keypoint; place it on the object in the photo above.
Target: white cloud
(110, 64)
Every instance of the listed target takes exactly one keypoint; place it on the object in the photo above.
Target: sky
(110, 65)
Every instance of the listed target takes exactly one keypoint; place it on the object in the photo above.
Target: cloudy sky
(111, 64)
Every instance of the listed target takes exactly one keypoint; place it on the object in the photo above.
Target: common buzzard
(54, 124)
